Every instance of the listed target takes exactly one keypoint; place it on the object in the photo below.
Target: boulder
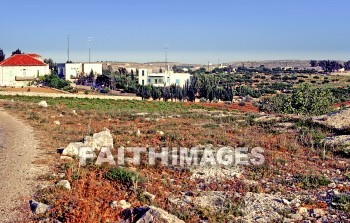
(154, 214)
(38, 207)
(101, 139)
(57, 122)
(63, 184)
(72, 149)
(43, 104)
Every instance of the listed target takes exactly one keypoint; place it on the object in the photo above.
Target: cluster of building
(21, 69)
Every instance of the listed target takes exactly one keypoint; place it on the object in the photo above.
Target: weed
(123, 175)
(312, 181)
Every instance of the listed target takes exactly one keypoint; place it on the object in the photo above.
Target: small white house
(163, 79)
(20, 69)
(71, 71)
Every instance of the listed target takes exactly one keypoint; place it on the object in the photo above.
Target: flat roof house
(163, 79)
(20, 69)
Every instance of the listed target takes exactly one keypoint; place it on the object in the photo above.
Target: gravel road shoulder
(18, 173)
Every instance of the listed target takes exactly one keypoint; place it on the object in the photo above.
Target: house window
(24, 72)
(168, 80)
(178, 81)
(143, 73)
(156, 81)
(37, 72)
(149, 80)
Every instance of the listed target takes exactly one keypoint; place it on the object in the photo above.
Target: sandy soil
(30, 89)
(18, 173)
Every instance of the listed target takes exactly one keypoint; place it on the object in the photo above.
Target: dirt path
(18, 150)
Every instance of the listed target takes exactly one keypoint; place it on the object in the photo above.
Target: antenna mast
(89, 39)
(68, 48)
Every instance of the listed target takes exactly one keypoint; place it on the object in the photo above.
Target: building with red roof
(21, 69)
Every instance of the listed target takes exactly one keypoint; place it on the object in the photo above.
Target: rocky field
(303, 178)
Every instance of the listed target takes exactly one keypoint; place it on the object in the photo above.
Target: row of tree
(330, 65)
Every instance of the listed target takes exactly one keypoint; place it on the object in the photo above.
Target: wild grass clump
(122, 175)
(312, 181)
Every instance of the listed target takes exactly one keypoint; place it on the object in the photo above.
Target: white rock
(285, 201)
(317, 212)
(332, 185)
(303, 211)
(43, 104)
(138, 133)
(149, 195)
(67, 158)
(103, 139)
(161, 133)
(57, 122)
(154, 214)
(72, 149)
(123, 204)
(38, 207)
(296, 217)
(64, 184)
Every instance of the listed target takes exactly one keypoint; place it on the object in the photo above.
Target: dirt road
(18, 174)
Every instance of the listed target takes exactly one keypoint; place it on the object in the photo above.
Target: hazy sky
(194, 31)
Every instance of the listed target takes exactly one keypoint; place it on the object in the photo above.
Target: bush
(54, 81)
(311, 181)
(122, 175)
(305, 100)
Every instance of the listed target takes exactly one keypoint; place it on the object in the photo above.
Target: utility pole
(89, 39)
(68, 48)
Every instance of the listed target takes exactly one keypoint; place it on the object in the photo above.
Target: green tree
(2, 55)
(18, 51)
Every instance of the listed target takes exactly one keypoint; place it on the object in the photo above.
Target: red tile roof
(22, 60)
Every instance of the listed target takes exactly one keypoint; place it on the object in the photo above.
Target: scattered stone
(120, 204)
(211, 199)
(72, 149)
(38, 207)
(261, 207)
(332, 185)
(63, 184)
(303, 211)
(43, 104)
(296, 217)
(285, 201)
(154, 214)
(57, 123)
(317, 212)
(149, 195)
(161, 133)
(341, 140)
(138, 133)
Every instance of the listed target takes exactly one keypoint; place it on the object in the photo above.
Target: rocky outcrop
(150, 214)
(339, 120)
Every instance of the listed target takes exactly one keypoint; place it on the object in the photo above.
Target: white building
(21, 69)
(163, 79)
(71, 71)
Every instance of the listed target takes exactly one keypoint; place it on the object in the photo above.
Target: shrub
(305, 100)
(312, 181)
(122, 175)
